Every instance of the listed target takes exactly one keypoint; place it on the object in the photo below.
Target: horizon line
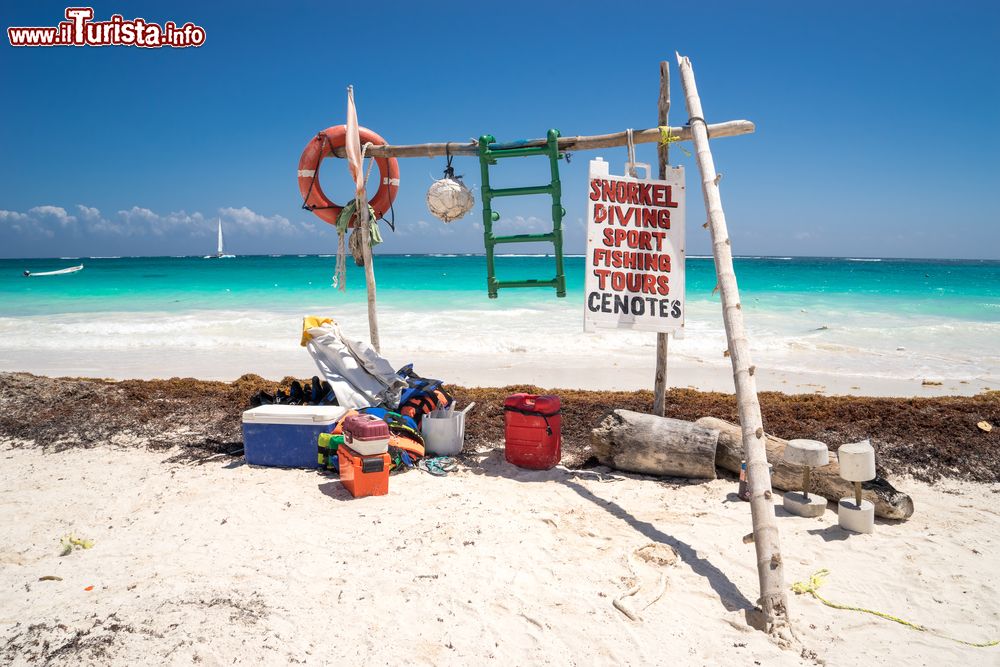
(481, 254)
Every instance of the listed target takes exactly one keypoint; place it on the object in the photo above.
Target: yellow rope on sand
(816, 580)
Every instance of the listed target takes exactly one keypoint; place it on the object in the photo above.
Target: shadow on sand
(334, 489)
(494, 465)
(730, 596)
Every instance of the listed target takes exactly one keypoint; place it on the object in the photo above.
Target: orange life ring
(322, 145)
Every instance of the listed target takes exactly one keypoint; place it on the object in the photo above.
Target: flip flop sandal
(431, 467)
(446, 463)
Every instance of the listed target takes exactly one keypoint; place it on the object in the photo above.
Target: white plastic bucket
(444, 435)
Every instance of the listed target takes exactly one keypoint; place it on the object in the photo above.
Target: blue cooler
(285, 435)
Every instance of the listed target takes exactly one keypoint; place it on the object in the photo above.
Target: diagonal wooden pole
(662, 151)
(770, 571)
(366, 245)
(361, 212)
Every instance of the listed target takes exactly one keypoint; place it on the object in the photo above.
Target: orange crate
(363, 475)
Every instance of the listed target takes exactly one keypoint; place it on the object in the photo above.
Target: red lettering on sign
(670, 197)
(638, 283)
(607, 191)
(627, 259)
(662, 284)
(595, 190)
(645, 197)
(638, 193)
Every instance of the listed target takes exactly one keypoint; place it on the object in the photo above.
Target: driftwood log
(826, 481)
(639, 442)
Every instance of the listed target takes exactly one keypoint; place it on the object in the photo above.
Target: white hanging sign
(635, 251)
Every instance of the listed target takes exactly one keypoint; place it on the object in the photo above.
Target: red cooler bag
(532, 430)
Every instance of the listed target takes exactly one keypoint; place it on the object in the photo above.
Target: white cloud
(137, 213)
(38, 222)
(88, 212)
(423, 229)
(47, 221)
(139, 221)
(12, 216)
(56, 213)
(252, 222)
(520, 224)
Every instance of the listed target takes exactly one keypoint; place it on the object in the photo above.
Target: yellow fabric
(816, 580)
(310, 322)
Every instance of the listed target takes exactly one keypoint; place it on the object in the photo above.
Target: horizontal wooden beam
(732, 128)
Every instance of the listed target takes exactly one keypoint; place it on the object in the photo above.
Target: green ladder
(489, 153)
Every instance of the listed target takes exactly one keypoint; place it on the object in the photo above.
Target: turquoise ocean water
(959, 290)
(856, 318)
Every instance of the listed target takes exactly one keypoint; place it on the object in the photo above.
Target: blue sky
(877, 121)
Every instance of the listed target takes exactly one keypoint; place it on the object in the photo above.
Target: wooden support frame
(773, 599)
(731, 128)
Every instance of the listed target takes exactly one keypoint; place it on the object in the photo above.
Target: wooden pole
(770, 571)
(366, 246)
(662, 151)
(362, 215)
(732, 128)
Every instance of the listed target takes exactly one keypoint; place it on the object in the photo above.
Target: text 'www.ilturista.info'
(79, 29)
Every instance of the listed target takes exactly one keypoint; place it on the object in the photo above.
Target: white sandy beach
(620, 368)
(223, 563)
(545, 346)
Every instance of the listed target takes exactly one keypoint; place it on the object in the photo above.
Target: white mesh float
(448, 199)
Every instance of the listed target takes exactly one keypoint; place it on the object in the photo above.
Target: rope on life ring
(323, 145)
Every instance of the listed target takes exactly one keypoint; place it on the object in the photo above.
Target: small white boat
(220, 253)
(71, 269)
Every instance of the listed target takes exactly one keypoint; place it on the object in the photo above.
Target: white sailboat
(220, 253)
